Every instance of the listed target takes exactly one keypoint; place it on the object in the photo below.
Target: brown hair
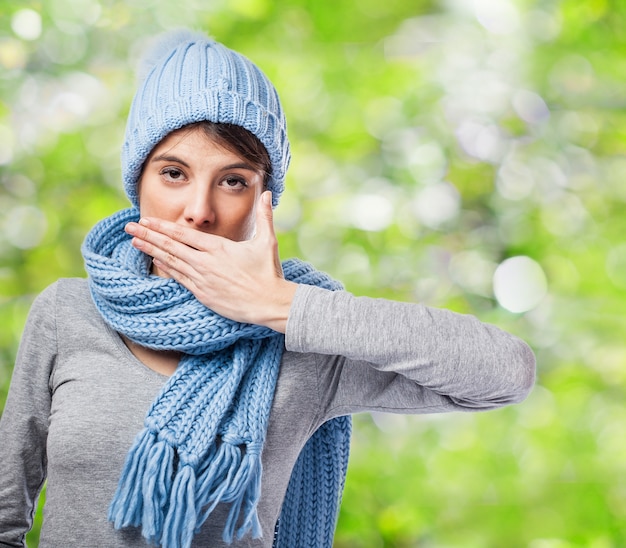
(235, 139)
(240, 141)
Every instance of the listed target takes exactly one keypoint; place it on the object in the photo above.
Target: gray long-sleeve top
(78, 397)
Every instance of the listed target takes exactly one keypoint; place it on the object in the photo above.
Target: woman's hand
(242, 281)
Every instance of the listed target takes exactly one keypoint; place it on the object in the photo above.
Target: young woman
(194, 390)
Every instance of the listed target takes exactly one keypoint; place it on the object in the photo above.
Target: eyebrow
(167, 158)
(176, 159)
(240, 165)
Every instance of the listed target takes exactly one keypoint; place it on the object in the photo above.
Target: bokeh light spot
(12, 54)
(530, 106)
(437, 204)
(515, 180)
(25, 226)
(497, 16)
(480, 139)
(371, 212)
(26, 23)
(519, 284)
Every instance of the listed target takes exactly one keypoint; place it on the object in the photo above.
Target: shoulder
(68, 288)
(73, 286)
(63, 290)
(65, 296)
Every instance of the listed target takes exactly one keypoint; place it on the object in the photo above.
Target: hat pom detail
(163, 45)
(187, 77)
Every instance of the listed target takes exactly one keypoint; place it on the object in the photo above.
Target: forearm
(451, 354)
(22, 469)
(24, 422)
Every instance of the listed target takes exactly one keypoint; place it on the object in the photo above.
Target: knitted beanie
(186, 77)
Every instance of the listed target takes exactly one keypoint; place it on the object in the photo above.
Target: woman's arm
(403, 357)
(454, 359)
(24, 423)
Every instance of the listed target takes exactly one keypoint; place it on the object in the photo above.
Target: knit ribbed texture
(187, 78)
(204, 433)
(308, 515)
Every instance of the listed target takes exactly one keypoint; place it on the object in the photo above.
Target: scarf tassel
(172, 504)
(127, 505)
(173, 476)
(156, 487)
(180, 522)
(247, 489)
(231, 478)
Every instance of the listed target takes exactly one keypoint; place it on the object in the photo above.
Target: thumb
(265, 215)
(265, 229)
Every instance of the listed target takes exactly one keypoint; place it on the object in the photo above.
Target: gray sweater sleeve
(24, 423)
(375, 354)
(347, 354)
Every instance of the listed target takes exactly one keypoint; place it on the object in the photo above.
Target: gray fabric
(79, 396)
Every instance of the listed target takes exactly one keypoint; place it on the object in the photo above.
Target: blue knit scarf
(203, 435)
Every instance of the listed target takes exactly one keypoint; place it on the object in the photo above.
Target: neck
(164, 362)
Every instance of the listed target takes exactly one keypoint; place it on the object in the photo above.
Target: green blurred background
(464, 154)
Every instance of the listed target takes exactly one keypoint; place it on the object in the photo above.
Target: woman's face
(190, 180)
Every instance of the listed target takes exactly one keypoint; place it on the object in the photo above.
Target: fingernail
(130, 228)
(144, 222)
(268, 197)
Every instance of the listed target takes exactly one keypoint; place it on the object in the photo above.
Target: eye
(172, 174)
(233, 182)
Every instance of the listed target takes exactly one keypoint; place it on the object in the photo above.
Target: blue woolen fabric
(186, 77)
(203, 435)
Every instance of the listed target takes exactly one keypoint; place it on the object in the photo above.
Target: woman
(194, 390)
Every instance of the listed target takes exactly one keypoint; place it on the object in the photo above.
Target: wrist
(275, 315)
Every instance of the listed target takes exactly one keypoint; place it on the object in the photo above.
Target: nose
(199, 210)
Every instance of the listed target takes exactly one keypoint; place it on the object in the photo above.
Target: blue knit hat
(187, 77)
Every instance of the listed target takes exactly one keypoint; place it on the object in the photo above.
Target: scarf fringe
(180, 522)
(156, 486)
(126, 507)
(203, 435)
(171, 503)
(248, 492)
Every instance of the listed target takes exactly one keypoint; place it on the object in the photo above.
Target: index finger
(181, 234)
